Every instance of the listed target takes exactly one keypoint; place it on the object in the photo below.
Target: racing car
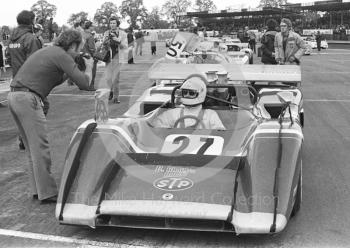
(233, 47)
(310, 41)
(214, 57)
(245, 178)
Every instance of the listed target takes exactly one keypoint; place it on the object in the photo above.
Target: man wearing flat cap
(289, 46)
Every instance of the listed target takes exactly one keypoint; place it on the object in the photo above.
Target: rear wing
(263, 73)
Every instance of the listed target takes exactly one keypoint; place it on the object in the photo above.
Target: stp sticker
(173, 183)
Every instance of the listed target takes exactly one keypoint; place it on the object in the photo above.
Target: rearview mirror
(285, 97)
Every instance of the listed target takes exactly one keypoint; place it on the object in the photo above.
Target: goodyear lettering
(173, 184)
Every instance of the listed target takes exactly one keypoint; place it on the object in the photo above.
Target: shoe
(110, 95)
(21, 145)
(115, 100)
(52, 199)
(91, 88)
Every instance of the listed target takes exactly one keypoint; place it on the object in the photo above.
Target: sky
(65, 8)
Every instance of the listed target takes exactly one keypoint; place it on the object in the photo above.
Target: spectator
(245, 38)
(154, 39)
(22, 44)
(139, 42)
(115, 39)
(289, 46)
(318, 39)
(251, 40)
(2, 59)
(50, 29)
(130, 37)
(268, 43)
(79, 27)
(89, 48)
(38, 30)
(32, 83)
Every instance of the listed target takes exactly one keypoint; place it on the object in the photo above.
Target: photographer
(115, 39)
(40, 73)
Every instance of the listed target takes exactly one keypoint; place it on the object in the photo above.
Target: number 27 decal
(193, 144)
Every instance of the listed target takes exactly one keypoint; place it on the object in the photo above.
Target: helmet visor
(188, 93)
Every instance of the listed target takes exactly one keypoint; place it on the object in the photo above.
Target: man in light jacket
(289, 46)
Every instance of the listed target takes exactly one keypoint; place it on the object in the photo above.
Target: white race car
(231, 47)
(310, 41)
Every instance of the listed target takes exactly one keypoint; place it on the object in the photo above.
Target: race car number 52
(193, 144)
(176, 47)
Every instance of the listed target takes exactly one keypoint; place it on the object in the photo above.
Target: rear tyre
(298, 196)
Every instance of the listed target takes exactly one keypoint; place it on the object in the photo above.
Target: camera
(79, 60)
(113, 34)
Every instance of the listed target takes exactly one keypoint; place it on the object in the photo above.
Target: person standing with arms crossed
(34, 82)
(289, 46)
(115, 39)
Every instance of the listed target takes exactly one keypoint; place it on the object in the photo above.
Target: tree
(153, 20)
(103, 14)
(172, 7)
(271, 3)
(205, 5)
(135, 10)
(78, 17)
(44, 10)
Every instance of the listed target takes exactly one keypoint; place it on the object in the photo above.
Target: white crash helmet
(193, 90)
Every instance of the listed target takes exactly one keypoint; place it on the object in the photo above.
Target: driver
(191, 114)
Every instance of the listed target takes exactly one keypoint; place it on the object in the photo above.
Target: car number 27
(193, 144)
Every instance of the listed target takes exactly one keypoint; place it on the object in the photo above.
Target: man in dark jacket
(267, 43)
(23, 42)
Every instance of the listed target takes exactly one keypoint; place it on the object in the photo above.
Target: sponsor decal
(173, 183)
(171, 171)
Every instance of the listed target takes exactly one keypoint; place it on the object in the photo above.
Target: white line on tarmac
(328, 72)
(331, 53)
(54, 238)
(326, 100)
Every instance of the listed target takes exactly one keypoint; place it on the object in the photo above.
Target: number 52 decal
(193, 144)
(176, 47)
